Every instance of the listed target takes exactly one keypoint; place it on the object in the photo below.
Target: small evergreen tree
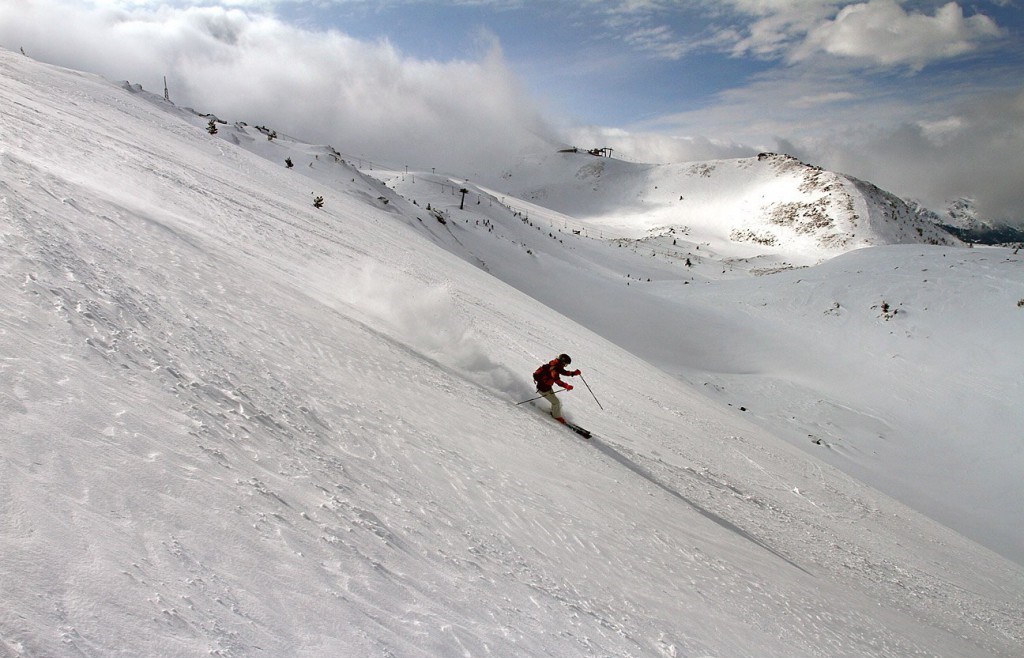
(211, 127)
(318, 202)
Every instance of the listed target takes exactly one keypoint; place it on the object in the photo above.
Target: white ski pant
(556, 404)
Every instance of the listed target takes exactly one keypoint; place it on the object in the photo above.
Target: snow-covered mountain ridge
(960, 217)
(772, 208)
(236, 425)
(774, 203)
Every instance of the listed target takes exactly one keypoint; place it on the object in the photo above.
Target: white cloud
(881, 31)
(875, 32)
(976, 150)
(949, 144)
(779, 28)
(812, 100)
(660, 40)
(764, 7)
(941, 130)
(655, 147)
(361, 97)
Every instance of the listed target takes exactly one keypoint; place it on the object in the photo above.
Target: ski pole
(537, 398)
(591, 392)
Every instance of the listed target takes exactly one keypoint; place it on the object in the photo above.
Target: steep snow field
(234, 424)
(898, 364)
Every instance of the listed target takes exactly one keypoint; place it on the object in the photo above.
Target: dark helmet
(564, 358)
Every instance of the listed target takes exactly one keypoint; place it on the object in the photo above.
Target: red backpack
(542, 375)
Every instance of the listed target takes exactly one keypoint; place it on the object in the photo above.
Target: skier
(547, 376)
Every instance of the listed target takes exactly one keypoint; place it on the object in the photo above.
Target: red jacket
(548, 375)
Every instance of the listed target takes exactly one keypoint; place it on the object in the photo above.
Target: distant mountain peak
(771, 203)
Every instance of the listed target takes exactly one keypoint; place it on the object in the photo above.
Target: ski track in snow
(236, 425)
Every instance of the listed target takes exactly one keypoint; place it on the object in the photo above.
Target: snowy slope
(238, 425)
(911, 394)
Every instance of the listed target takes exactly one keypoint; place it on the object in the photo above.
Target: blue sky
(637, 63)
(573, 55)
(923, 98)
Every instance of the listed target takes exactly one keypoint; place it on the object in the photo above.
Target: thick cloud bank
(365, 98)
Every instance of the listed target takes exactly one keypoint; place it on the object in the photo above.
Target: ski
(582, 431)
(585, 433)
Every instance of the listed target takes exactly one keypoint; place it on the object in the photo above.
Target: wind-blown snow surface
(237, 425)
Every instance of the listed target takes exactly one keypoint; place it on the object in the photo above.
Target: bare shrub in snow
(747, 235)
(888, 312)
